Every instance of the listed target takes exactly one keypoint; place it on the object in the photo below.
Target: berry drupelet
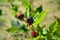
(29, 20)
(33, 33)
(20, 16)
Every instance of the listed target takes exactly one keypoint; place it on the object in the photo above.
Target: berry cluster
(29, 20)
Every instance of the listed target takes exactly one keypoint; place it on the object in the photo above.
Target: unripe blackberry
(29, 20)
(34, 34)
(20, 16)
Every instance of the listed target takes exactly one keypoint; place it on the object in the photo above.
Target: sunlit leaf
(27, 13)
(35, 16)
(14, 14)
(33, 13)
(25, 3)
(32, 38)
(40, 37)
(40, 17)
(57, 32)
(44, 30)
(39, 10)
(30, 9)
(53, 27)
(12, 30)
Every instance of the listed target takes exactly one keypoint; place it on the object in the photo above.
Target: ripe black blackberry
(29, 20)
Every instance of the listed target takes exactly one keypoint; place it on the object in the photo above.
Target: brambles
(29, 20)
(33, 19)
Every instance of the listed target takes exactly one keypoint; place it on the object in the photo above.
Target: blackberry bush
(30, 24)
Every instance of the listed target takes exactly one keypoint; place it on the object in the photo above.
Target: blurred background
(53, 7)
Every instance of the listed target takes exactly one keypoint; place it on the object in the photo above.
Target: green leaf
(40, 38)
(53, 27)
(0, 12)
(12, 30)
(15, 8)
(24, 28)
(32, 38)
(14, 14)
(57, 32)
(39, 29)
(30, 9)
(40, 17)
(49, 36)
(54, 37)
(33, 13)
(27, 13)
(25, 3)
(39, 9)
(44, 30)
(35, 16)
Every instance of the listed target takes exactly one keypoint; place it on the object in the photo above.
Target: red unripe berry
(34, 34)
(29, 20)
(20, 16)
